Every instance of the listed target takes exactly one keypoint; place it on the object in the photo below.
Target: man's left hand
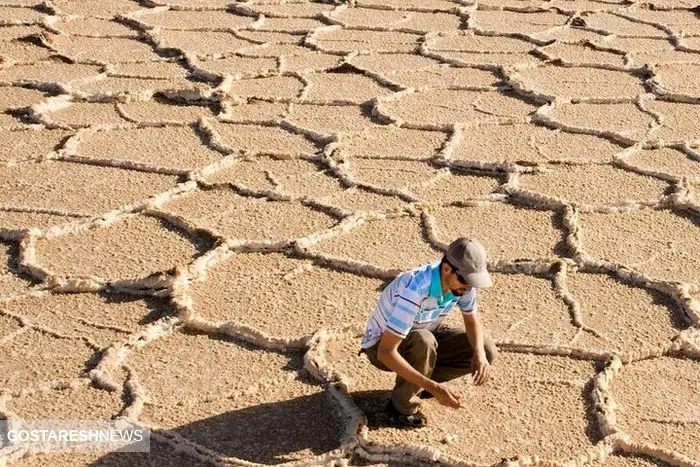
(480, 368)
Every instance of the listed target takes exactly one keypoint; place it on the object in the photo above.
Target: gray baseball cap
(469, 258)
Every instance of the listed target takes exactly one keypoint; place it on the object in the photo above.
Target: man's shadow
(270, 433)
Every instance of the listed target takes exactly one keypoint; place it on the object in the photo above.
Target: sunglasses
(461, 279)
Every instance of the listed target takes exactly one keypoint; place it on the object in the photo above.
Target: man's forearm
(475, 334)
(396, 363)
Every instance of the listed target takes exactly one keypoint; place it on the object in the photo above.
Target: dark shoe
(415, 420)
(425, 395)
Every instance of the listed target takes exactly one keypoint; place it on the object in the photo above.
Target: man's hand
(480, 368)
(445, 395)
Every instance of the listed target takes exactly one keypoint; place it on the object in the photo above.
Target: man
(406, 335)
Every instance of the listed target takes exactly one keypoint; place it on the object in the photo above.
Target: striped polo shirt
(412, 301)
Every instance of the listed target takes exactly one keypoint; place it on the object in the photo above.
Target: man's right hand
(445, 395)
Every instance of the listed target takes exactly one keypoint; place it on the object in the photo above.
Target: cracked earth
(201, 200)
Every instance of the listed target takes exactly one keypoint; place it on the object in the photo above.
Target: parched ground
(201, 200)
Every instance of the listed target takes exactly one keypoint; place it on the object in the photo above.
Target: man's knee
(419, 349)
(421, 339)
(418, 346)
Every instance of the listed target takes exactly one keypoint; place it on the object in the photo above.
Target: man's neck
(443, 288)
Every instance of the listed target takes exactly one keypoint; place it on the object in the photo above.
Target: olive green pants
(442, 355)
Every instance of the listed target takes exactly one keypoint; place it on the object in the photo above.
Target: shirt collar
(436, 286)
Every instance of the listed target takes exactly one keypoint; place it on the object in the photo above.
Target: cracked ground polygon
(159, 69)
(139, 88)
(264, 172)
(629, 319)
(255, 111)
(19, 220)
(309, 173)
(507, 232)
(347, 40)
(264, 302)
(664, 414)
(392, 243)
(133, 247)
(516, 22)
(209, 43)
(70, 404)
(48, 72)
(539, 317)
(19, 15)
(679, 120)
(309, 61)
(102, 189)
(343, 86)
(113, 50)
(154, 111)
(257, 385)
(359, 199)
(580, 83)
(34, 357)
(19, 147)
(290, 25)
(236, 65)
(327, 120)
(183, 19)
(104, 319)
(593, 184)
(285, 87)
(527, 145)
(86, 114)
(392, 174)
(446, 77)
(667, 161)
(455, 187)
(18, 98)
(263, 140)
(98, 8)
(491, 58)
(678, 79)
(621, 26)
(382, 142)
(236, 216)
(426, 182)
(93, 27)
(661, 247)
(443, 107)
(181, 147)
(625, 119)
(582, 53)
(21, 51)
(389, 64)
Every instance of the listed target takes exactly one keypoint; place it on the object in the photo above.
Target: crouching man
(406, 335)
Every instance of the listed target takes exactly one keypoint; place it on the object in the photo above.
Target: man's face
(453, 281)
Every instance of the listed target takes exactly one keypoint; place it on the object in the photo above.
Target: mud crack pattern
(201, 200)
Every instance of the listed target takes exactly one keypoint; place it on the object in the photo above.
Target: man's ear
(444, 268)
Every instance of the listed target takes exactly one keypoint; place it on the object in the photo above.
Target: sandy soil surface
(201, 201)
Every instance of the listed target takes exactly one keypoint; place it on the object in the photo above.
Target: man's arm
(475, 334)
(388, 354)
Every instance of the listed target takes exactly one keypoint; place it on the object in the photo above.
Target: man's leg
(419, 349)
(454, 356)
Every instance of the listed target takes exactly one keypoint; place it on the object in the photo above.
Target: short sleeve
(467, 302)
(408, 300)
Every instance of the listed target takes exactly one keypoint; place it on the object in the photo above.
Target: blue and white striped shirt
(414, 300)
